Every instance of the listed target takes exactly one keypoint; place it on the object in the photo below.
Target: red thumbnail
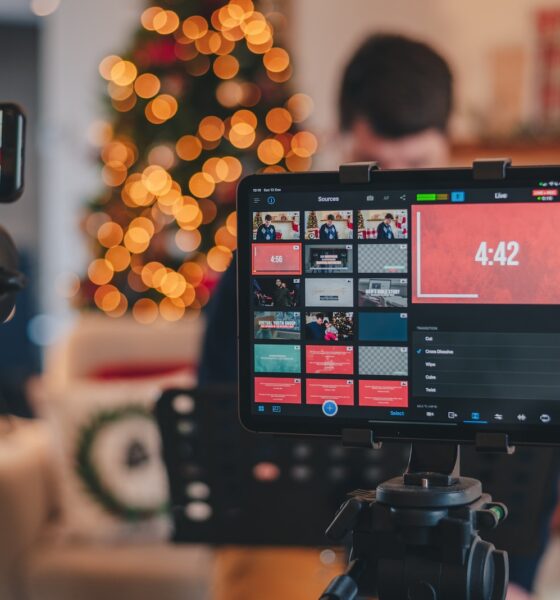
(376, 392)
(276, 259)
(486, 253)
(277, 390)
(329, 360)
(339, 390)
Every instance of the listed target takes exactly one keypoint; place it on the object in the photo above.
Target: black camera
(12, 143)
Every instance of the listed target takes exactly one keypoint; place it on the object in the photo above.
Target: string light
(165, 228)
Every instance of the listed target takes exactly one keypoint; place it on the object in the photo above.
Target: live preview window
(424, 305)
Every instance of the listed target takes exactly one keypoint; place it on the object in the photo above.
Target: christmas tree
(361, 225)
(201, 99)
(312, 220)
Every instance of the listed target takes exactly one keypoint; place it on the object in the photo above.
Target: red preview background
(339, 390)
(263, 254)
(451, 235)
(329, 360)
(377, 392)
(277, 390)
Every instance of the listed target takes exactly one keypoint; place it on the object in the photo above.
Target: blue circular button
(271, 200)
(330, 408)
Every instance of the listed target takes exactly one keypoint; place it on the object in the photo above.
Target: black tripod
(416, 536)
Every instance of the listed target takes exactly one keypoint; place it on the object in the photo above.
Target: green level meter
(431, 197)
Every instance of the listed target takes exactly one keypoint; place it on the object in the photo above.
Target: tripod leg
(345, 587)
(342, 587)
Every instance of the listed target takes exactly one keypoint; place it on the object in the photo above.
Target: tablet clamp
(416, 536)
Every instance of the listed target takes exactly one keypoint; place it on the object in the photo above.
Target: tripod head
(416, 536)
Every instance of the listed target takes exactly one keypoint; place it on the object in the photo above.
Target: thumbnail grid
(330, 293)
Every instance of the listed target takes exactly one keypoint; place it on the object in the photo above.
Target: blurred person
(394, 107)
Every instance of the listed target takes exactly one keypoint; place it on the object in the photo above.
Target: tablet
(419, 305)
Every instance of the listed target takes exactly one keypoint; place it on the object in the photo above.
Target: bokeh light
(195, 27)
(188, 147)
(110, 234)
(147, 85)
(218, 258)
(270, 151)
(100, 271)
(276, 60)
(211, 128)
(226, 67)
(156, 209)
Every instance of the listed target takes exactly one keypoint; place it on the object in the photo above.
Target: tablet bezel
(529, 434)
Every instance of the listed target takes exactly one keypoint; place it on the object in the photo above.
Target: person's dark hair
(319, 316)
(268, 218)
(390, 216)
(400, 86)
(330, 217)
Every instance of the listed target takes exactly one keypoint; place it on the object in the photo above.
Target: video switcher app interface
(409, 305)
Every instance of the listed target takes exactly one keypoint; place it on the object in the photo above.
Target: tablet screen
(400, 305)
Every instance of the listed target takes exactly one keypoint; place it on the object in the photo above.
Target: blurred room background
(123, 242)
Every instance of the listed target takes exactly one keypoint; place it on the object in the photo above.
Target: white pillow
(113, 480)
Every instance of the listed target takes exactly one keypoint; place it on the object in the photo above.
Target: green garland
(88, 472)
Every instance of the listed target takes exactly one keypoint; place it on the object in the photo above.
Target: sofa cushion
(143, 572)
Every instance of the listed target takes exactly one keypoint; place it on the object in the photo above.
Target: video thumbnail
(329, 326)
(383, 224)
(274, 358)
(341, 391)
(389, 292)
(329, 360)
(277, 325)
(329, 292)
(276, 259)
(383, 360)
(279, 292)
(383, 327)
(376, 392)
(329, 225)
(382, 258)
(277, 390)
(275, 226)
(328, 259)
